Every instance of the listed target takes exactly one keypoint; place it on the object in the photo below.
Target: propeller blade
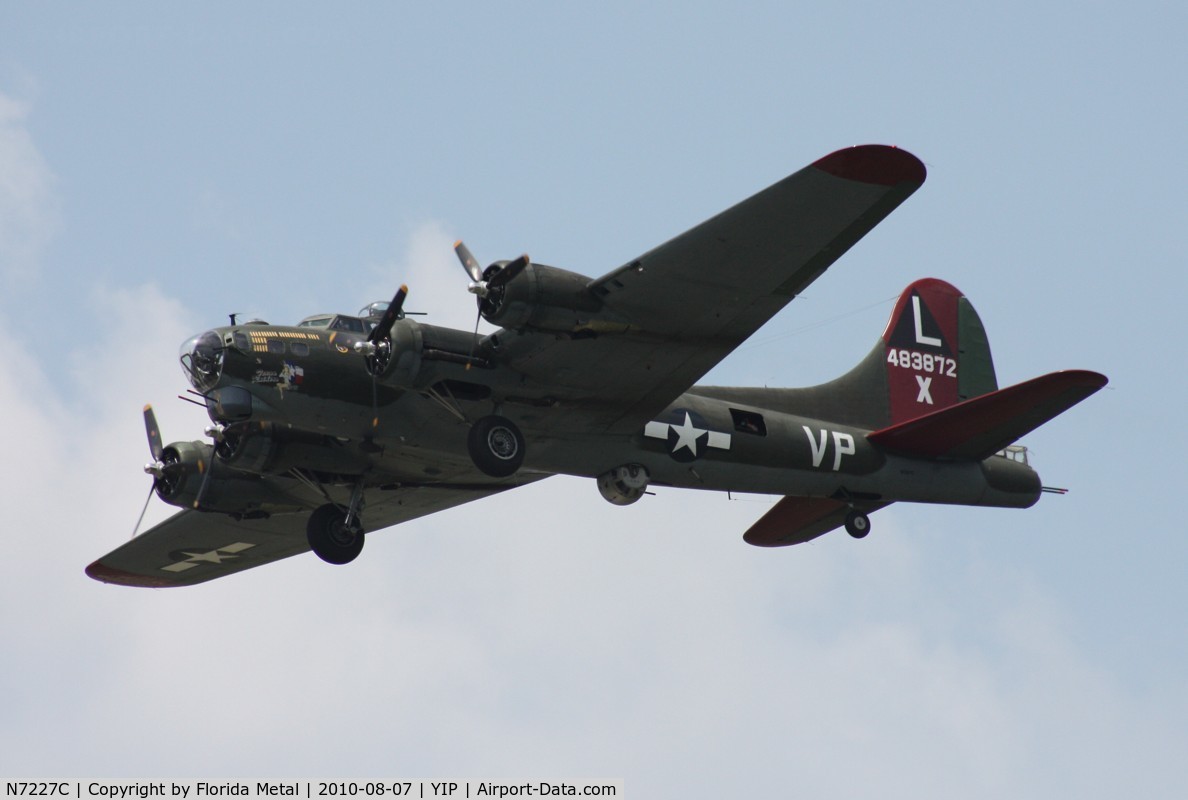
(468, 261)
(154, 433)
(474, 341)
(389, 318)
(207, 469)
(140, 519)
(508, 273)
(500, 275)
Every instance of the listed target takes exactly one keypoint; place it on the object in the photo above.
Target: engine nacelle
(624, 485)
(180, 472)
(401, 360)
(183, 470)
(268, 448)
(541, 297)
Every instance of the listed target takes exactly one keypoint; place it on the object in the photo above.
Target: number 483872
(923, 362)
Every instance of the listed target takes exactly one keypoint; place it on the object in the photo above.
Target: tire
(330, 538)
(496, 446)
(857, 524)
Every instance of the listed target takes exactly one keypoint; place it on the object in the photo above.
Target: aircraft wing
(193, 547)
(689, 302)
(795, 520)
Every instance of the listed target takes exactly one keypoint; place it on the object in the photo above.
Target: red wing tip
(760, 541)
(1084, 377)
(105, 574)
(874, 163)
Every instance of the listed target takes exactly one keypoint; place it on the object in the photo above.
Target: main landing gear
(857, 524)
(496, 446)
(330, 536)
(335, 534)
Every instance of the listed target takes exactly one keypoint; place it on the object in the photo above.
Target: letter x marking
(925, 395)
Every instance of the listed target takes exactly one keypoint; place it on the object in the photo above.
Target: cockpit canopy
(374, 311)
(367, 318)
(337, 322)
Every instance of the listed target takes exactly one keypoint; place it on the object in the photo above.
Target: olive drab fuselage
(298, 385)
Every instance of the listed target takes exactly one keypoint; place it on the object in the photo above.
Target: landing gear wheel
(857, 524)
(496, 446)
(330, 538)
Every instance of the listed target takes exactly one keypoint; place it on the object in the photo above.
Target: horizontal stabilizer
(794, 520)
(980, 427)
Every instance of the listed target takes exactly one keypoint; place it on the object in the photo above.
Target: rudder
(935, 351)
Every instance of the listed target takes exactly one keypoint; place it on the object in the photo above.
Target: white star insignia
(216, 556)
(212, 557)
(687, 435)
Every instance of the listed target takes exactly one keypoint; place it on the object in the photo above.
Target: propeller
(500, 275)
(483, 287)
(207, 470)
(382, 330)
(156, 467)
(166, 471)
(376, 348)
(384, 327)
(154, 434)
(469, 263)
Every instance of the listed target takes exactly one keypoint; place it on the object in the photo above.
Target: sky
(164, 165)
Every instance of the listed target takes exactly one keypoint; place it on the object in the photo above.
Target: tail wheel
(496, 446)
(857, 524)
(331, 539)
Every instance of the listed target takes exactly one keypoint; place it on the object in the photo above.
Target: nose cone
(202, 359)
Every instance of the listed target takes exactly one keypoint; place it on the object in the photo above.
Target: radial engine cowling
(624, 485)
(542, 297)
(182, 472)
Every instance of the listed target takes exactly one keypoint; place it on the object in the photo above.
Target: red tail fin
(935, 351)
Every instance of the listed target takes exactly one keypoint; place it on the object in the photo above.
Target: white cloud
(28, 205)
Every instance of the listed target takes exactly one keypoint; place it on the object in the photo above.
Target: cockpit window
(352, 324)
(1014, 452)
(337, 322)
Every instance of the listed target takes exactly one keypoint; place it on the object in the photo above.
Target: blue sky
(161, 167)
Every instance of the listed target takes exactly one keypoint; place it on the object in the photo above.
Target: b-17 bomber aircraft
(340, 426)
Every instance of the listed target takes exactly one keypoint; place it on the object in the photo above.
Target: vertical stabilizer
(933, 354)
(936, 352)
